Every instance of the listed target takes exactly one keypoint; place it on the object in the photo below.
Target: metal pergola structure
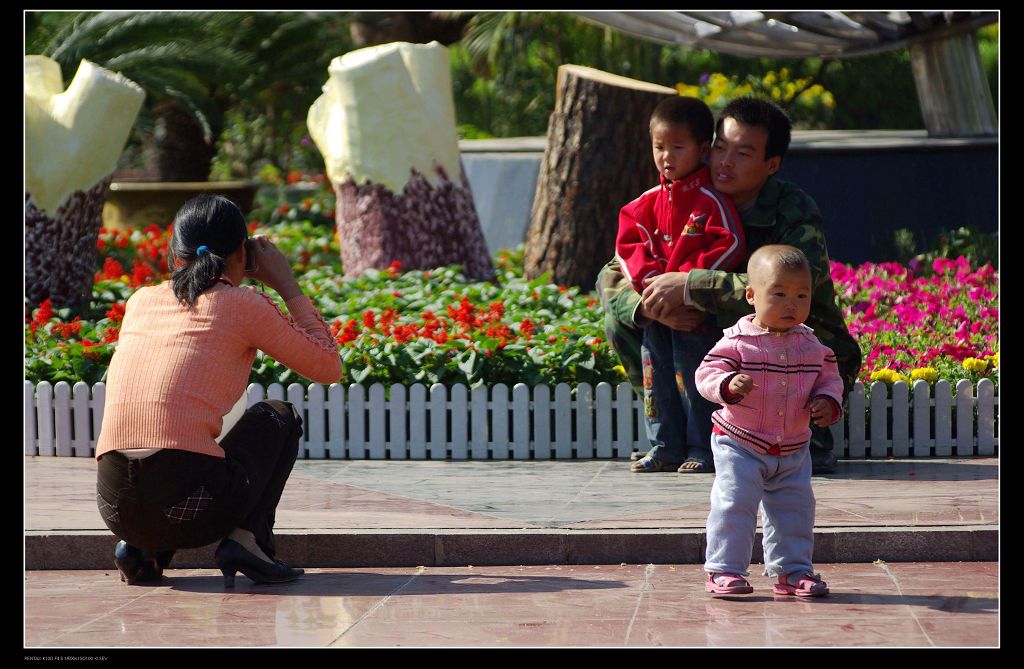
(952, 90)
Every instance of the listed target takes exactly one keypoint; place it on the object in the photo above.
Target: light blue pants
(782, 487)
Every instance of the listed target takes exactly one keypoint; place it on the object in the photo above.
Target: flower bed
(436, 327)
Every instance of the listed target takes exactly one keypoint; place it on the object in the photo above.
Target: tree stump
(598, 158)
(386, 128)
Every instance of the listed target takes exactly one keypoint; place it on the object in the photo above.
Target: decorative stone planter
(137, 204)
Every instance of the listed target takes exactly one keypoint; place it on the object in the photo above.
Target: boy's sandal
(808, 585)
(727, 584)
(647, 464)
(701, 468)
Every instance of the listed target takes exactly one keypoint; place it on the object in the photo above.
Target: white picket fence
(603, 422)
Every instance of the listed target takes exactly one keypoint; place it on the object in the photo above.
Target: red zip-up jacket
(678, 226)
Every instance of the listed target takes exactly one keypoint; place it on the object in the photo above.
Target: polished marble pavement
(60, 494)
(635, 605)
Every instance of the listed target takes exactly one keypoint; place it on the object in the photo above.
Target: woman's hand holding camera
(272, 267)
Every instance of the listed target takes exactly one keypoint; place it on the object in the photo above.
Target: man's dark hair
(691, 112)
(764, 113)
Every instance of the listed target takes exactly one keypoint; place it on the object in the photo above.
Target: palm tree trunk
(182, 152)
(60, 252)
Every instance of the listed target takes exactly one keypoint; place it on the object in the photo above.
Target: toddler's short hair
(780, 256)
(691, 112)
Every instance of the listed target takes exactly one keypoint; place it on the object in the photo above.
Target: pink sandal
(727, 584)
(809, 585)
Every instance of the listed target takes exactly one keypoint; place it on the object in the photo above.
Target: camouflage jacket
(783, 214)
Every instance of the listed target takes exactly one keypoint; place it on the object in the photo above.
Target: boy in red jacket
(679, 225)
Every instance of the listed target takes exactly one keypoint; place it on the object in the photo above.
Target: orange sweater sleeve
(302, 342)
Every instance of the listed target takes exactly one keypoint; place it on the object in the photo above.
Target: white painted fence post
(900, 420)
(296, 395)
(62, 417)
(563, 422)
(943, 419)
(336, 421)
(858, 442)
(923, 441)
(624, 398)
(521, 421)
(603, 412)
(460, 422)
(377, 407)
(879, 446)
(418, 421)
(30, 418)
(964, 418)
(542, 446)
(44, 413)
(356, 422)
(584, 421)
(398, 446)
(986, 417)
(80, 414)
(438, 444)
(316, 436)
(99, 399)
(275, 391)
(480, 433)
(499, 422)
(643, 443)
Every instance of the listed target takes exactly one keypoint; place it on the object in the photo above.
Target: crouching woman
(183, 358)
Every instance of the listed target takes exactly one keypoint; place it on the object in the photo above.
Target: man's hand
(682, 318)
(822, 411)
(663, 294)
(741, 385)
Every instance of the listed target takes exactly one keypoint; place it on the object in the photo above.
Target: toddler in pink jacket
(772, 376)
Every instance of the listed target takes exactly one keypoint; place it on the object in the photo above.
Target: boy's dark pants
(678, 418)
(179, 499)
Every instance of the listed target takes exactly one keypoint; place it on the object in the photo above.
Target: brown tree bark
(598, 158)
(60, 252)
(181, 150)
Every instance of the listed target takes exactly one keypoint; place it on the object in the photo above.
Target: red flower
(283, 209)
(294, 176)
(141, 273)
(116, 312)
(395, 268)
(528, 328)
(44, 313)
(110, 335)
(368, 319)
(349, 332)
(112, 269)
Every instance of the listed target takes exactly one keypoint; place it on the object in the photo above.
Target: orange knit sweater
(177, 371)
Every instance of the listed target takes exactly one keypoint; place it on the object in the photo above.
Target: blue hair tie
(199, 251)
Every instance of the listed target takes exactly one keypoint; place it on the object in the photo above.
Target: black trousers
(180, 499)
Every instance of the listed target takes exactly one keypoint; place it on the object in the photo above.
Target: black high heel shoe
(139, 566)
(232, 557)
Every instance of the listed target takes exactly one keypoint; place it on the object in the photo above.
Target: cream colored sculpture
(385, 125)
(73, 139)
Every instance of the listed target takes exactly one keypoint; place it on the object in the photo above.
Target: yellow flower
(828, 100)
(975, 365)
(928, 374)
(776, 93)
(888, 376)
(688, 91)
(784, 73)
(790, 90)
(769, 79)
(621, 370)
(993, 358)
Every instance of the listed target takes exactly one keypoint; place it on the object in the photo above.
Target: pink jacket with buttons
(789, 369)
